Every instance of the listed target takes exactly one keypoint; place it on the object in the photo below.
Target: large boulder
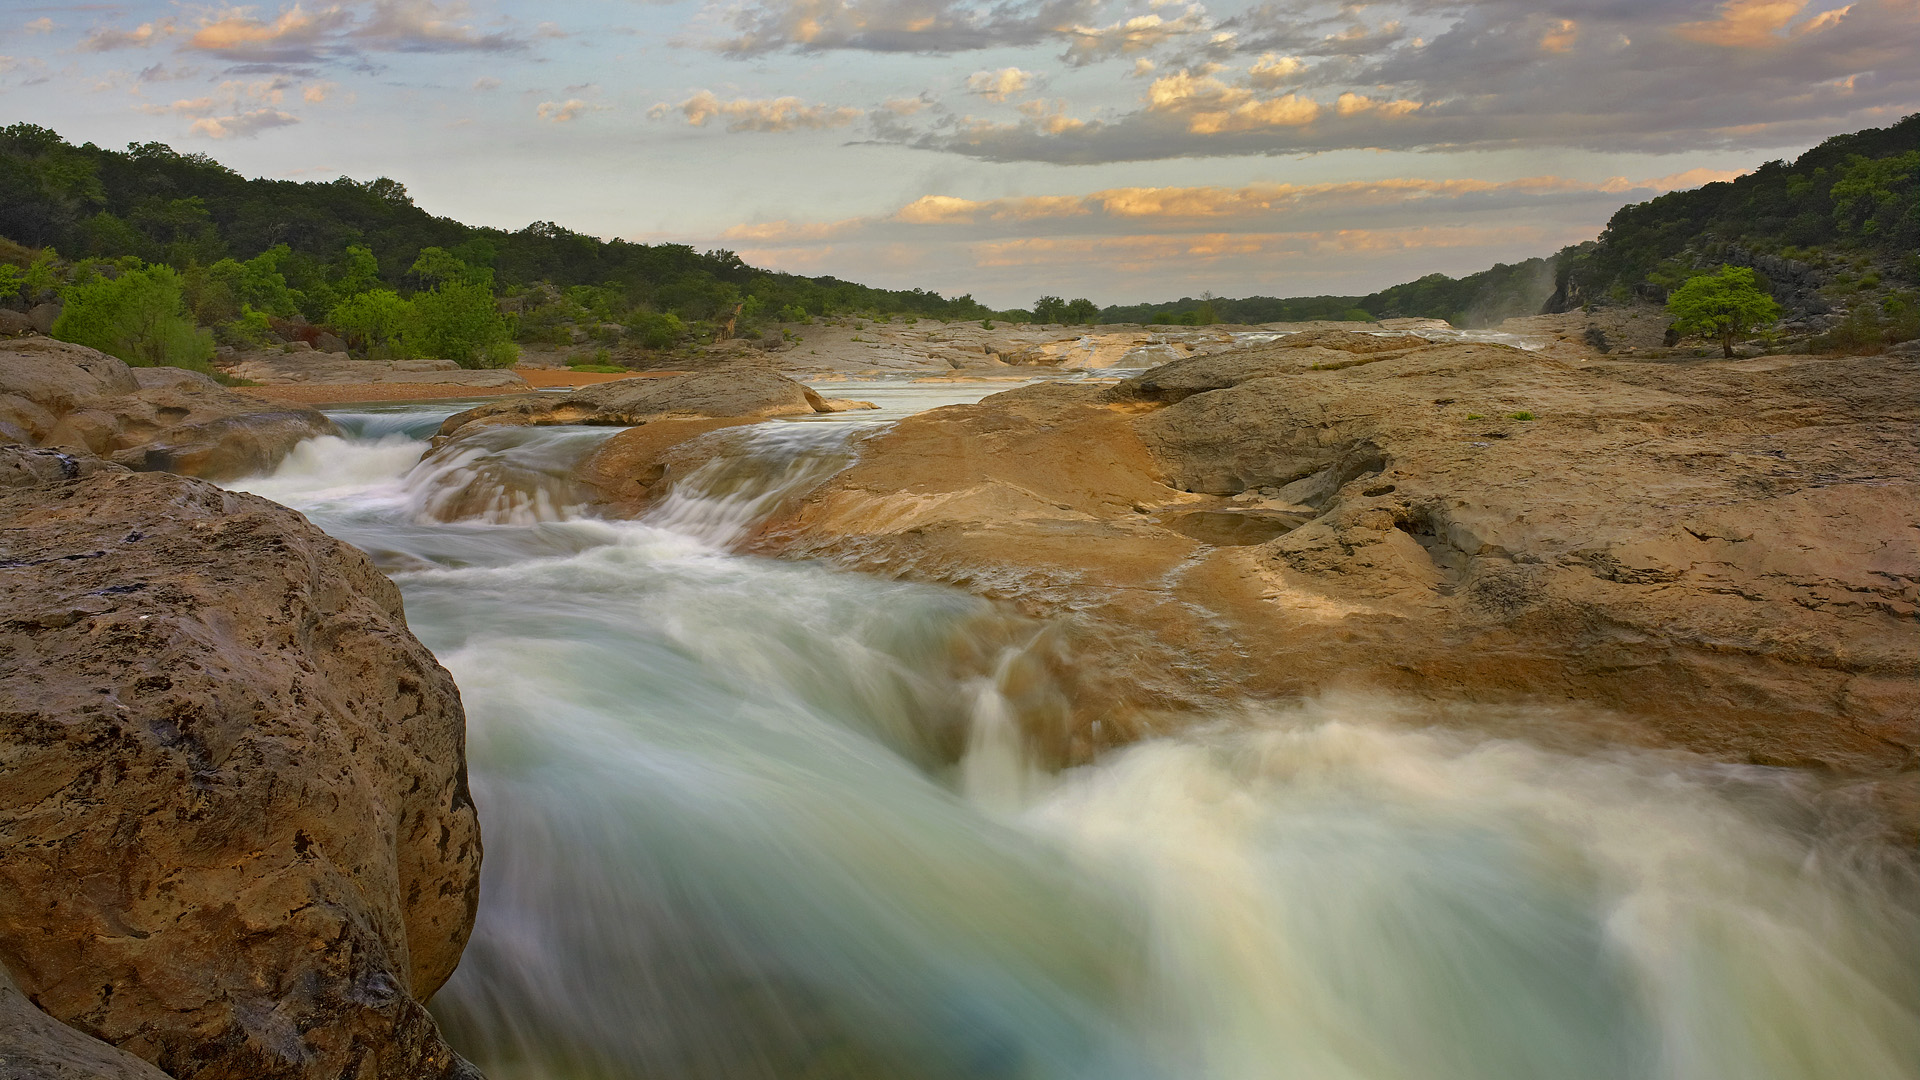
(720, 393)
(235, 832)
(53, 393)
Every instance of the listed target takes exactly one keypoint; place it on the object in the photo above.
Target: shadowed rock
(53, 393)
(235, 832)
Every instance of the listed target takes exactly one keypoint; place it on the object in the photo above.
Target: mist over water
(748, 818)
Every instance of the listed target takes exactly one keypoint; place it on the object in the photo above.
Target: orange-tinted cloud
(759, 115)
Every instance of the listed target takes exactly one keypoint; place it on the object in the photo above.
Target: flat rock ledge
(1712, 555)
(730, 392)
(236, 838)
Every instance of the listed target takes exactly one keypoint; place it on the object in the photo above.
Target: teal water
(748, 818)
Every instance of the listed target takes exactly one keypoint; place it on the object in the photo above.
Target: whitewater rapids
(748, 818)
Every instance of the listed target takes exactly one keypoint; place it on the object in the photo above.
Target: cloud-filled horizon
(1124, 150)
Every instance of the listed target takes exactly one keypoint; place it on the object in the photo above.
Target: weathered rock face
(1720, 553)
(35, 1046)
(724, 392)
(235, 833)
(53, 393)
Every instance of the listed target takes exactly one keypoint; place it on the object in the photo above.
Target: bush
(460, 322)
(495, 354)
(655, 330)
(138, 316)
(250, 329)
(375, 320)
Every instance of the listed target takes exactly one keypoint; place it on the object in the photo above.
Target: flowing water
(747, 818)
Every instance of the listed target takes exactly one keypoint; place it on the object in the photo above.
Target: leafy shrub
(656, 330)
(375, 320)
(459, 322)
(250, 329)
(139, 316)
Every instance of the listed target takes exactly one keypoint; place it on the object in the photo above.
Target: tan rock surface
(320, 368)
(235, 834)
(1720, 553)
(35, 1046)
(738, 391)
(53, 393)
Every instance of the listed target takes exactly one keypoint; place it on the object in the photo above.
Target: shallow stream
(747, 818)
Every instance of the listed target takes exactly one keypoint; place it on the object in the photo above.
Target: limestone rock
(1719, 554)
(14, 323)
(722, 392)
(24, 466)
(35, 1046)
(53, 393)
(333, 367)
(235, 833)
(156, 378)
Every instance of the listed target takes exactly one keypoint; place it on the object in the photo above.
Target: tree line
(361, 256)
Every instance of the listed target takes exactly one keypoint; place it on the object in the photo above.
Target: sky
(1122, 150)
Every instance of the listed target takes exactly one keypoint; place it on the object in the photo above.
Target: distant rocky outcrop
(235, 833)
(748, 392)
(1720, 554)
(53, 393)
(329, 366)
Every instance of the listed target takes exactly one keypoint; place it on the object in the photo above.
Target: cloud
(1128, 37)
(42, 25)
(1271, 72)
(561, 112)
(340, 32)
(1305, 76)
(997, 85)
(295, 35)
(242, 126)
(1156, 242)
(238, 109)
(925, 26)
(106, 39)
(1757, 24)
(764, 115)
(424, 26)
(486, 82)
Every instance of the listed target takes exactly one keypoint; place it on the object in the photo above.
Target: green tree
(374, 320)
(656, 330)
(359, 271)
(460, 322)
(437, 266)
(1723, 305)
(1049, 309)
(1081, 310)
(139, 316)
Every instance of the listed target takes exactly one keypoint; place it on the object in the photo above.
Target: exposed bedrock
(53, 393)
(235, 833)
(1720, 554)
(738, 391)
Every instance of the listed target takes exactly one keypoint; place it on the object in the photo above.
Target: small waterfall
(759, 819)
(751, 474)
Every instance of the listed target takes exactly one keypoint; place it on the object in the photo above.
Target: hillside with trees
(243, 255)
(1833, 236)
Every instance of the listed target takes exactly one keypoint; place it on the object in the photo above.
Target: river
(748, 818)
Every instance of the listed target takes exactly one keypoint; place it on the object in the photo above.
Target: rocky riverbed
(236, 834)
